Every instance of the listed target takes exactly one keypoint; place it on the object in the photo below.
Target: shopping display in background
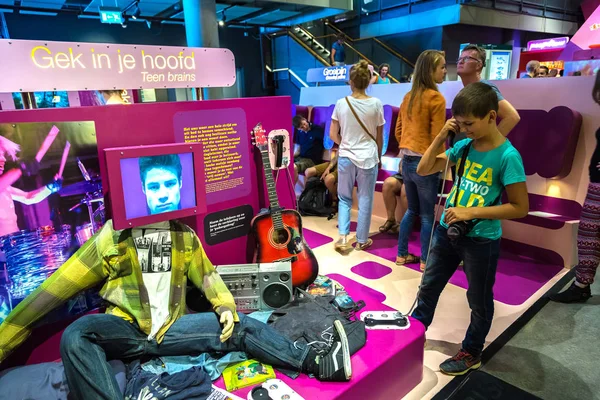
(583, 68)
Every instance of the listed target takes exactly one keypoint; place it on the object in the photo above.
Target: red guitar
(278, 232)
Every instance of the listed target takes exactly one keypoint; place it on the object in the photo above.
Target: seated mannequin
(146, 312)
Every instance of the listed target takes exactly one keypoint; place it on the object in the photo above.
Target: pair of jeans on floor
(365, 179)
(91, 340)
(421, 193)
(480, 257)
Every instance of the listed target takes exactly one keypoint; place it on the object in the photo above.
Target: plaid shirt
(110, 257)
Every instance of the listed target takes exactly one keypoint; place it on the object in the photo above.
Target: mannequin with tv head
(143, 272)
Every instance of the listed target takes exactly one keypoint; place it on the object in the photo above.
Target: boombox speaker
(255, 287)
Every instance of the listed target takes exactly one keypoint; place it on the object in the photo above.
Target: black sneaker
(335, 366)
(574, 294)
(460, 364)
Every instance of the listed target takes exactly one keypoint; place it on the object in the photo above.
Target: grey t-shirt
(500, 97)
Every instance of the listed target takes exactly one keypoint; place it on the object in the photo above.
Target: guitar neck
(273, 200)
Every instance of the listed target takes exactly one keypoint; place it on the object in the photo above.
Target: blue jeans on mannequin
(365, 179)
(90, 341)
(421, 193)
(480, 257)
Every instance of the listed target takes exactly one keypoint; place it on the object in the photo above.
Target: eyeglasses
(465, 59)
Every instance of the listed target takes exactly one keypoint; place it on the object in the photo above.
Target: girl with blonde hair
(357, 127)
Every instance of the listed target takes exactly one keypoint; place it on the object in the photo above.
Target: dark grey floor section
(557, 354)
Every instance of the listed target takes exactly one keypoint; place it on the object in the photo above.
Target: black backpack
(315, 199)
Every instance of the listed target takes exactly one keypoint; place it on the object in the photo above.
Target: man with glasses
(469, 66)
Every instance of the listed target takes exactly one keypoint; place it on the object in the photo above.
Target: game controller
(273, 389)
(385, 320)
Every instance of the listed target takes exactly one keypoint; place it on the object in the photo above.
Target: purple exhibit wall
(151, 124)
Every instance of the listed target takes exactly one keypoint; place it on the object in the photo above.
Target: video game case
(247, 373)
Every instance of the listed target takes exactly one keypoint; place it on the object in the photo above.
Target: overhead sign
(111, 15)
(328, 74)
(29, 66)
(548, 44)
(588, 36)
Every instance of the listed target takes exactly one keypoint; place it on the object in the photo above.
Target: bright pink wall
(146, 124)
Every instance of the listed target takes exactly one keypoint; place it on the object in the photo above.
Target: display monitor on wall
(150, 184)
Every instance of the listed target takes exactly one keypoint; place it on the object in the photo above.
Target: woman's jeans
(421, 193)
(89, 342)
(365, 179)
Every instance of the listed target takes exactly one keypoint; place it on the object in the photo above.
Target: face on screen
(162, 188)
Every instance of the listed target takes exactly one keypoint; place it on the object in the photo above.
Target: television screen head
(155, 183)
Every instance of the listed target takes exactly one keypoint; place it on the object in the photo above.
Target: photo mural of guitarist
(278, 231)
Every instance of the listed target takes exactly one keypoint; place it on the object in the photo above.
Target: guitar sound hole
(281, 236)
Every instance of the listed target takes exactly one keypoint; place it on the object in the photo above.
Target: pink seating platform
(388, 367)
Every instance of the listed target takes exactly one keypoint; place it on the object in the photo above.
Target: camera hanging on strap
(462, 228)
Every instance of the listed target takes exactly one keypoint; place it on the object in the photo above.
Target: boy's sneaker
(460, 364)
(574, 294)
(335, 366)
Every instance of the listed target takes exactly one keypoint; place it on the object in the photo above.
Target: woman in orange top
(422, 116)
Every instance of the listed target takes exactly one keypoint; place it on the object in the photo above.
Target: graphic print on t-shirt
(154, 251)
(483, 180)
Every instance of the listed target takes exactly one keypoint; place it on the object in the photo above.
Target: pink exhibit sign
(32, 65)
(547, 44)
(589, 33)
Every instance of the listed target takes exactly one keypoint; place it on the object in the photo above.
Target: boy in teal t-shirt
(485, 176)
(470, 227)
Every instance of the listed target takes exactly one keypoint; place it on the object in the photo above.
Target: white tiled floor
(400, 287)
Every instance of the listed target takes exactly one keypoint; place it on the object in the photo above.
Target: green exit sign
(111, 15)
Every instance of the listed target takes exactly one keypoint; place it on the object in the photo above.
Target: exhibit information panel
(225, 153)
(33, 66)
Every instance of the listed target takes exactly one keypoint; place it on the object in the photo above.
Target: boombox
(255, 287)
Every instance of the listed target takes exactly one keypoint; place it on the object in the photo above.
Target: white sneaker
(343, 243)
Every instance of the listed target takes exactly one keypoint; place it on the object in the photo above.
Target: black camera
(459, 229)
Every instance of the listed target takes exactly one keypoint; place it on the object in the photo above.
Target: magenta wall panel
(151, 124)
